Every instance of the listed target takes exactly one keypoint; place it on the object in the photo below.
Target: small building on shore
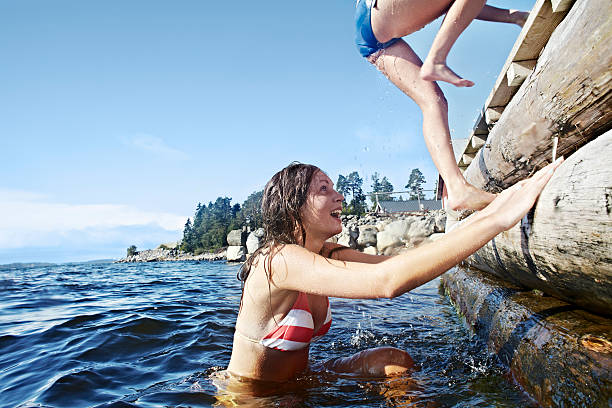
(409, 206)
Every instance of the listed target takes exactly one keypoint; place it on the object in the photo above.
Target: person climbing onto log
(287, 281)
(380, 25)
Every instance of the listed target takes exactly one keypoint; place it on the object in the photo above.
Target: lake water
(151, 335)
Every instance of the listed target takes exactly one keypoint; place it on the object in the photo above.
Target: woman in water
(287, 281)
(380, 26)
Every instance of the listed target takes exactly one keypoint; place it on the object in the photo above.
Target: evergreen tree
(250, 212)
(380, 186)
(212, 222)
(131, 250)
(415, 184)
(386, 186)
(352, 185)
(342, 186)
(187, 242)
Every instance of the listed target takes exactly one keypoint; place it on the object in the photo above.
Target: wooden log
(560, 354)
(570, 88)
(564, 247)
(519, 71)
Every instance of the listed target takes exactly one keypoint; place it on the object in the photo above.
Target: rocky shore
(384, 234)
(161, 254)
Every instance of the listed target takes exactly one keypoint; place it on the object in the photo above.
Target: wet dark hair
(283, 198)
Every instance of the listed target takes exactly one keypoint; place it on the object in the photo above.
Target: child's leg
(490, 13)
(402, 66)
(459, 16)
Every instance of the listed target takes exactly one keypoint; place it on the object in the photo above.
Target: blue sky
(118, 117)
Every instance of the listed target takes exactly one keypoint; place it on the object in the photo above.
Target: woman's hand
(513, 203)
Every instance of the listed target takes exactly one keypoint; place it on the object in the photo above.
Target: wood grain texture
(536, 32)
(560, 354)
(564, 247)
(568, 94)
(519, 71)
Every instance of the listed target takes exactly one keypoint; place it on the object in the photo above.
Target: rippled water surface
(151, 335)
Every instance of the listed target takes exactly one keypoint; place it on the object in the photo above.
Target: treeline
(351, 187)
(211, 223)
(208, 229)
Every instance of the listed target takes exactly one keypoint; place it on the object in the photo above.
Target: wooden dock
(552, 97)
(543, 19)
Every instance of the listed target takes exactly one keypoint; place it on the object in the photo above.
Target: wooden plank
(533, 37)
(477, 141)
(469, 148)
(519, 71)
(481, 127)
(569, 95)
(468, 157)
(492, 115)
(563, 246)
(561, 5)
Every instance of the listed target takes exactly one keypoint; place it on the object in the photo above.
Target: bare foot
(441, 72)
(519, 17)
(469, 198)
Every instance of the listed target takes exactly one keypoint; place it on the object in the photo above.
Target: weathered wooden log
(561, 355)
(570, 88)
(564, 247)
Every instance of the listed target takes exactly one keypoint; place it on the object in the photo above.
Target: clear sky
(118, 117)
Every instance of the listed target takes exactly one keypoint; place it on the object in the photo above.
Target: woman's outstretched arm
(296, 268)
(344, 253)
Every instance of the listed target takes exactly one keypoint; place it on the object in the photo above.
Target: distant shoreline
(172, 255)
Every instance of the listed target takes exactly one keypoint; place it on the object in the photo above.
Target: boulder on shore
(236, 253)
(390, 234)
(237, 237)
(254, 240)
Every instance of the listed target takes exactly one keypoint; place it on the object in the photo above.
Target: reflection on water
(159, 334)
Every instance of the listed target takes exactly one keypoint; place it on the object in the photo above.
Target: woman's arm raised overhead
(296, 268)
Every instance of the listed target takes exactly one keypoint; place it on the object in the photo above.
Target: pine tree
(415, 184)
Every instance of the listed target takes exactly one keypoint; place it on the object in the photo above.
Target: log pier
(553, 271)
(564, 246)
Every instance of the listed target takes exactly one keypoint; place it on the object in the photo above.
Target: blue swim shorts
(367, 44)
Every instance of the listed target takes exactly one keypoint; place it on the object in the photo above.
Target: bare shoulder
(288, 256)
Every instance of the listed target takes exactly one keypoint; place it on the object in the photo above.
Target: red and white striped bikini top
(296, 330)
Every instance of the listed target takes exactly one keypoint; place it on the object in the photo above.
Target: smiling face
(321, 212)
